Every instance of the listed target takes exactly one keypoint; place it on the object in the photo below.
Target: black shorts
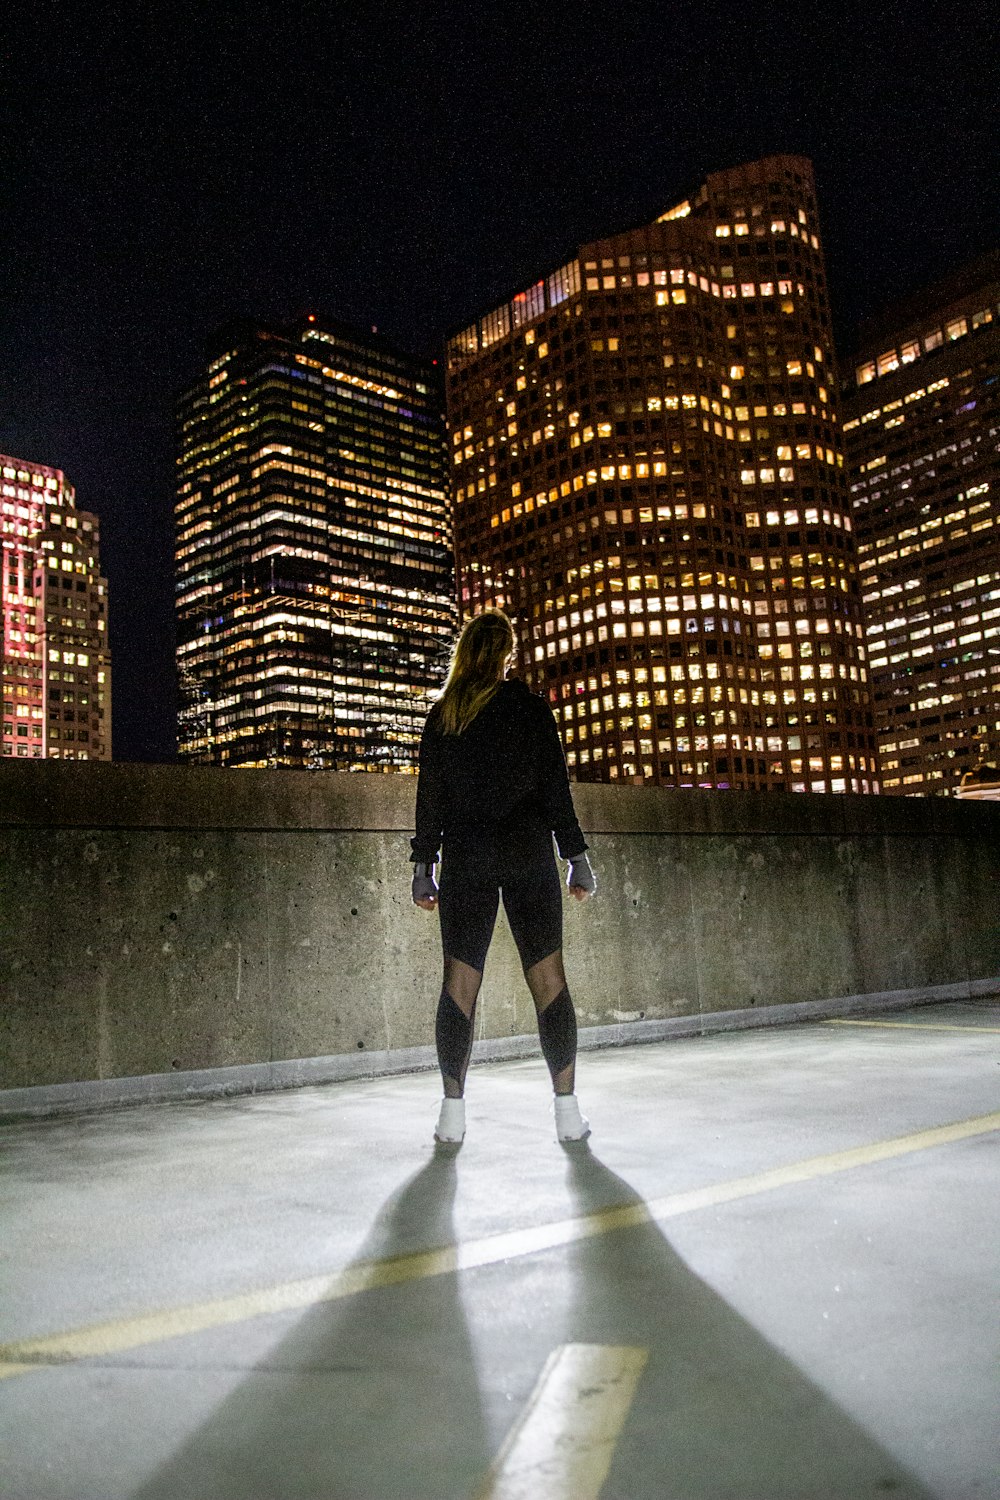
(468, 904)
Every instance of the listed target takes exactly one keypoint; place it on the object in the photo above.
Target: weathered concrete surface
(157, 920)
(819, 1329)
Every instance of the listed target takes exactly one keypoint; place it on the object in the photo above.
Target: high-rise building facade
(56, 662)
(315, 592)
(648, 475)
(922, 437)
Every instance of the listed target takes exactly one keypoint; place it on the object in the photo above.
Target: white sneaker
(450, 1127)
(571, 1125)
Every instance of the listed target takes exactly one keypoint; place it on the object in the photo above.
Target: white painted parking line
(562, 1445)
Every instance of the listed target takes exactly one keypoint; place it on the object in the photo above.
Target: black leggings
(468, 902)
(532, 899)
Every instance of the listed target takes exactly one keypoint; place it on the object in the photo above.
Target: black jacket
(498, 790)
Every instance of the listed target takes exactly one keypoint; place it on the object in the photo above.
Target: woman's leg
(556, 1019)
(533, 902)
(468, 912)
(456, 1016)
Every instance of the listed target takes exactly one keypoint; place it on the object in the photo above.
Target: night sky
(410, 166)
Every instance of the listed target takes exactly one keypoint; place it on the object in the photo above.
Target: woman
(493, 788)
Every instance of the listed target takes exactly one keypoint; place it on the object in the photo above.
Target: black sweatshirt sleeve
(430, 799)
(553, 788)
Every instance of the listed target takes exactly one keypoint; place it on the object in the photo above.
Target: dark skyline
(407, 168)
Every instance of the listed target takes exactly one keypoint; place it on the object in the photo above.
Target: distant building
(315, 592)
(648, 475)
(56, 662)
(922, 436)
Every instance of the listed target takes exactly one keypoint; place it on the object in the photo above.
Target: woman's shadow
(719, 1413)
(375, 1395)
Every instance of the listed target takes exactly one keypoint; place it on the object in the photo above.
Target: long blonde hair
(477, 668)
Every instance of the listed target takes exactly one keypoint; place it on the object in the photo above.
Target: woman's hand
(581, 879)
(424, 889)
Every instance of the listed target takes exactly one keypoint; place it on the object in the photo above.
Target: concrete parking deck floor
(771, 1273)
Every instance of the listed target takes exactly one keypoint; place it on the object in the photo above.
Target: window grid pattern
(649, 477)
(56, 661)
(923, 446)
(315, 591)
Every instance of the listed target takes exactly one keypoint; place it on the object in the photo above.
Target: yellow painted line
(105, 1339)
(911, 1025)
(562, 1444)
(102, 1339)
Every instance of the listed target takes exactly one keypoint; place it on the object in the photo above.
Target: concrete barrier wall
(158, 920)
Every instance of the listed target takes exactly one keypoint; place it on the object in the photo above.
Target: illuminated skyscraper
(56, 663)
(648, 474)
(922, 436)
(315, 593)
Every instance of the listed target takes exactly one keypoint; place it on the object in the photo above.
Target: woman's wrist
(424, 886)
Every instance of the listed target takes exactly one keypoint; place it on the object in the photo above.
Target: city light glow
(56, 661)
